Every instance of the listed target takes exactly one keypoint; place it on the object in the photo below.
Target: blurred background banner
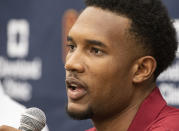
(32, 39)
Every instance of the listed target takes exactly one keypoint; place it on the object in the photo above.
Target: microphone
(33, 119)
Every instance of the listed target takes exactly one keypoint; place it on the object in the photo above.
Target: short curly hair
(150, 25)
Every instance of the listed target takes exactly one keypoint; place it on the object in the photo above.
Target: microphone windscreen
(33, 119)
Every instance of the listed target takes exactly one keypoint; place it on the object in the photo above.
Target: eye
(71, 47)
(96, 51)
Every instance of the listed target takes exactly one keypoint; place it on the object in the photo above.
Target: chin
(79, 114)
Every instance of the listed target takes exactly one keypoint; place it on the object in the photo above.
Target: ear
(144, 68)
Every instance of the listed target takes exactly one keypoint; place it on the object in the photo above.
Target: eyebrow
(95, 42)
(90, 42)
(69, 38)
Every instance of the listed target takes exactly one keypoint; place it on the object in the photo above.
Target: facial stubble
(83, 115)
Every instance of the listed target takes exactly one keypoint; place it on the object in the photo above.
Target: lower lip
(76, 94)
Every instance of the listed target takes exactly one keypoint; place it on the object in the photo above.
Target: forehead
(100, 24)
(101, 16)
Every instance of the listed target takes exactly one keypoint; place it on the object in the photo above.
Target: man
(117, 49)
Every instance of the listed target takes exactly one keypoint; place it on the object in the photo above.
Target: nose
(74, 63)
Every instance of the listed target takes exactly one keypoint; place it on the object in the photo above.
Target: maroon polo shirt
(154, 115)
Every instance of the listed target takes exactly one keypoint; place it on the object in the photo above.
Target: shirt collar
(148, 111)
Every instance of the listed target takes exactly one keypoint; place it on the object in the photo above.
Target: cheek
(108, 79)
(102, 79)
(103, 75)
(107, 73)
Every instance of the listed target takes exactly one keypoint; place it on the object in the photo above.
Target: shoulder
(10, 111)
(166, 121)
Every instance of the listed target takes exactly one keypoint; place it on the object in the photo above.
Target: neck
(122, 120)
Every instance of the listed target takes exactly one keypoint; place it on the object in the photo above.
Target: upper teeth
(73, 85)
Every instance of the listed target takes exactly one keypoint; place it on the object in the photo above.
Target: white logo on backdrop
(18, 38)
(169, 79)
(16, 72)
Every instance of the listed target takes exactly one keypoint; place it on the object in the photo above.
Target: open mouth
(75, 88)
(72, 86)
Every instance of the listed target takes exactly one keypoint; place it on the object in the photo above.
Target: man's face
(99, 65)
